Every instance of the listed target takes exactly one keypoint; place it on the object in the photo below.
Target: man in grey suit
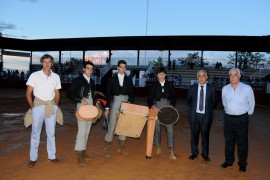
(201, 99)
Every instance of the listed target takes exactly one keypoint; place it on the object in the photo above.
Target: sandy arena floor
(15, 138)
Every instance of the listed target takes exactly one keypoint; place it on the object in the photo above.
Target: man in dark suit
(201, 99)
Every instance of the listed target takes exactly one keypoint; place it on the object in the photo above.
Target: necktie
(201, 99)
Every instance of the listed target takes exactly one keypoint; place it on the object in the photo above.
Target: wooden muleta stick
(150, 132)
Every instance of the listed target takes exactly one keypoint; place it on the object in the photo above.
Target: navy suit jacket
(210, 102)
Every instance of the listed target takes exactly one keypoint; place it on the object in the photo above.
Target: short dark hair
(46, 56)
(121, 62)
(85, 63)
(161, 70)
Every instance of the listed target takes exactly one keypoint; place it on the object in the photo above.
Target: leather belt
(237, 115)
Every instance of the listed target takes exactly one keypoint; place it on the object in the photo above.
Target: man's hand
(106, 113)
(155, 109)
(84, 101)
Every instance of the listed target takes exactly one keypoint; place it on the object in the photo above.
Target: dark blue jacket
(210, 102)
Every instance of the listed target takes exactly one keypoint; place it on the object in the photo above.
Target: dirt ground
(15, 139)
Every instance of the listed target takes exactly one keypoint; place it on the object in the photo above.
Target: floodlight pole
(60, 57)
(83, 55)
(1, 60)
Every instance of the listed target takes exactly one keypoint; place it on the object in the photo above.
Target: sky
(45, 19)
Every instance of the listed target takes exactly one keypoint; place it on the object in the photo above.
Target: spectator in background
(107, 60)
(220, 65)
(2, 75)
(56, 68)
(245, 63)
(169, 64)
(22, 75)
(173, 65)
(240, 63)
(8, 74)
(217, 65)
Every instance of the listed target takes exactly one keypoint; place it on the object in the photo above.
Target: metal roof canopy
(196, 43)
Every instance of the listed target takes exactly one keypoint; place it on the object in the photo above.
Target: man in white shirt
(45, 85)
(239, 102)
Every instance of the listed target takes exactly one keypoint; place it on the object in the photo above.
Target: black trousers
(236, 131)
(200, 125)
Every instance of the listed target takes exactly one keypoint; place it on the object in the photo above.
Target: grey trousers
(158, 127)
(112, 117)
(84, 128)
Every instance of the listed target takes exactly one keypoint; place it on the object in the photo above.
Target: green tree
(253, 59)
(256, 59)
(159, 62)
(192, 57)
(75, 60)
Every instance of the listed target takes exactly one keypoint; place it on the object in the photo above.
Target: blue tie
(201, 99)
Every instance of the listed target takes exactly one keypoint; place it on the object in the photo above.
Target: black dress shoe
(31, 164)
(55, 161)
(225, 165)
(242, 169)
(192, 157)
(206, 158)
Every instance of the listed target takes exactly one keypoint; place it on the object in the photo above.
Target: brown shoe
(172, 156)
(85, 156)
(31, 164)
(55, 161)
(81, 160)
(158, 152)
(107, 149)
(121, 147)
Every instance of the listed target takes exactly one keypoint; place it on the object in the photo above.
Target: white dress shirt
(88, 81)
(238, 101)
(87, 78)
(162, 85)
(121, 79)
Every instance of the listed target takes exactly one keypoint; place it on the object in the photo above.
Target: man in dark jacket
(201, 99)
(81, 91)
(162, 94)
(120, 88)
